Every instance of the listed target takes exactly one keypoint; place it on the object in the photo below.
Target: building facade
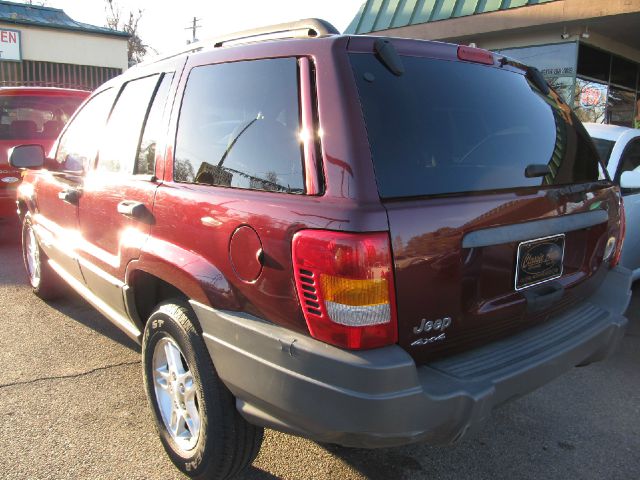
(43, 46)
(589, 50)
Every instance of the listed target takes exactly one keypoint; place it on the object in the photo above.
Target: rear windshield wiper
(532, 73)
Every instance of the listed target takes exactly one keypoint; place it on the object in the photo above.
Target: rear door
(58, 186)
(115, 209)
(498, 207)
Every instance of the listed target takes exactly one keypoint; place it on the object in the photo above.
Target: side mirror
(26, 156)
(630, 179)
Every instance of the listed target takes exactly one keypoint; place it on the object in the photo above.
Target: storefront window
(606, 90)
(623, 72)
(620, 107)
(594, 63)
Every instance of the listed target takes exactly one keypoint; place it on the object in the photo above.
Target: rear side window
(450, 127)
(78, 145)
(120, 143)
(239, 127)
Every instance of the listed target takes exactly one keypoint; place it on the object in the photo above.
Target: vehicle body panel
(622, 136)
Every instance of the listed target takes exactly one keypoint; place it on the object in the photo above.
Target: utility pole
(194, 26)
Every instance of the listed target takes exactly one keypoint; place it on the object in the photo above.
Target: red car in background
(30, 115)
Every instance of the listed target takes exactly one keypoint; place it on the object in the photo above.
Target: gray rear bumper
(379, 398)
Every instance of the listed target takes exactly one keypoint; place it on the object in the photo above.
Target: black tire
(44, 281)
(227, 444)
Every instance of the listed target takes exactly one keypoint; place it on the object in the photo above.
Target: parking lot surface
(72, 405)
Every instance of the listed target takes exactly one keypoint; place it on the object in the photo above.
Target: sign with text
(10, 45)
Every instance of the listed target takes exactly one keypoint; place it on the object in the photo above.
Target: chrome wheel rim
(176, 394)
(32, 257)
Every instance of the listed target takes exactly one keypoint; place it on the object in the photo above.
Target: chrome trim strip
(547, 227)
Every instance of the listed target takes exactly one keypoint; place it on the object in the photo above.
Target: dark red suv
(360, 240)
(30, 115)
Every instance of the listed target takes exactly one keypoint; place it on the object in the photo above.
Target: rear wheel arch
(146, 291)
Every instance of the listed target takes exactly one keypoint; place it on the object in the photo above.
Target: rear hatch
(499, 209)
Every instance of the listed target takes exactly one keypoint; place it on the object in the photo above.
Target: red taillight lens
(345, 287)
(623, 226)
(477, 55)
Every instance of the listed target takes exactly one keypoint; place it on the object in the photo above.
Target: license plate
(539, 261)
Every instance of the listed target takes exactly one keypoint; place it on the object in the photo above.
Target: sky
(164, 23)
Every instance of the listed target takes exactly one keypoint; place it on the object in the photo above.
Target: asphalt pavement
(72, 406)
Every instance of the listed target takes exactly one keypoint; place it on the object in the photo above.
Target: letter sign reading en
(10, 45)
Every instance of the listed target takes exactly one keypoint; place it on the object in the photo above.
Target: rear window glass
(450, 127)
(34, 117)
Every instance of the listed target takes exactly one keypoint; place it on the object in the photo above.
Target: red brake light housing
(477, 55)
(346, 288)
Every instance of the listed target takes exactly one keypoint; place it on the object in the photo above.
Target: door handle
(133, 209)
(70, 195)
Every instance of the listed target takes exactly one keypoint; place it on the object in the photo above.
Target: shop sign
(10, 45)
(591, 96)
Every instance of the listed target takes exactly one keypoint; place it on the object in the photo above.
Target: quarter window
(78, 145)
(120, 143)
(146, 158)
(239, 127)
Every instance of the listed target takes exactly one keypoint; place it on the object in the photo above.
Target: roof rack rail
(307, 28)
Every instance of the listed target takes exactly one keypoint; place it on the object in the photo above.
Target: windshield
(449, 127)
(604, 148)
(35, 117)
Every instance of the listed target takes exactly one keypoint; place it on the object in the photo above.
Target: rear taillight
(477, 55)
(620, 241)
(345, 287)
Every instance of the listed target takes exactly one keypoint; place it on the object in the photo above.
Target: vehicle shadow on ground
(76, 308)
(70, 303)
(254, 473)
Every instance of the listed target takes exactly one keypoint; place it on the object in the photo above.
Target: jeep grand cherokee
(360, 240)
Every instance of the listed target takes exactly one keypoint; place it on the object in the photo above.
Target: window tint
(239, 127)
(447, 127)
(146, 158)
(79, 144)
(630, 158)
(120, 143)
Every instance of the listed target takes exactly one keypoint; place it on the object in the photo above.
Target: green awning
(375, 15)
